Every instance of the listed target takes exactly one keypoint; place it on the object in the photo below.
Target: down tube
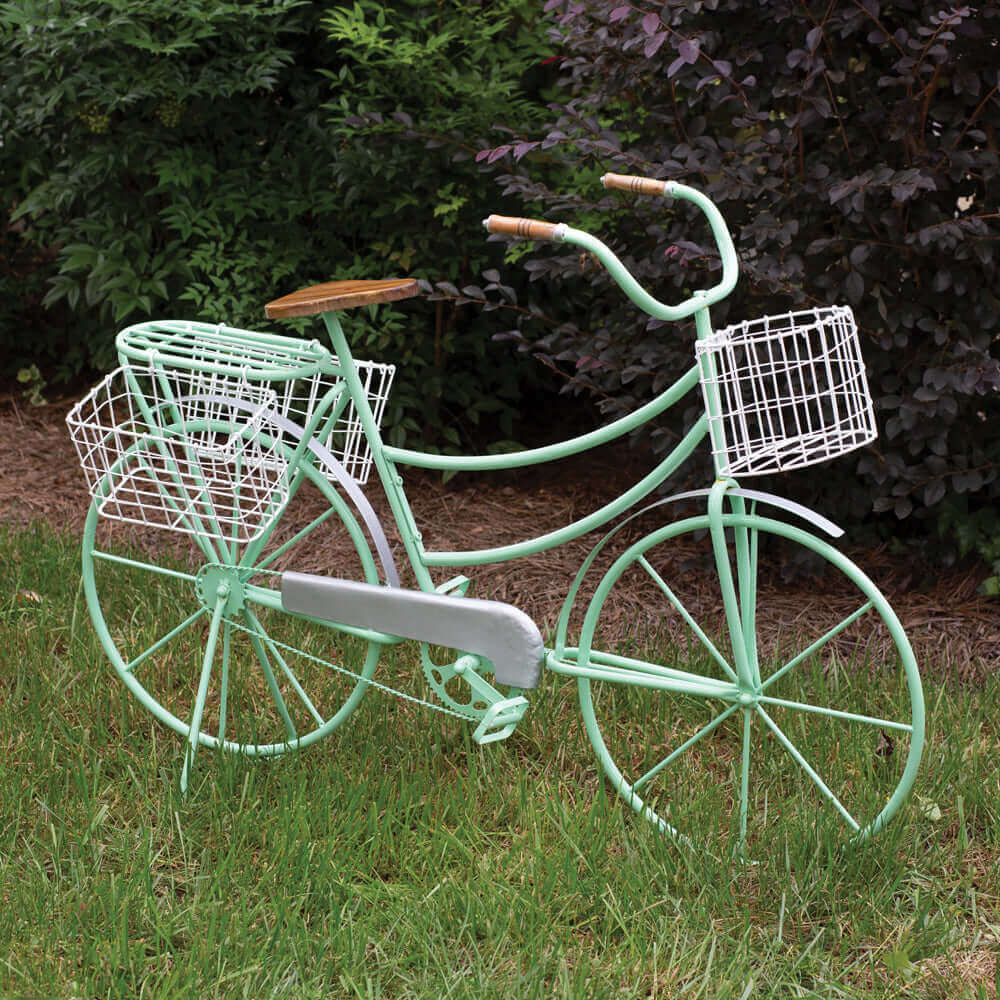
(477, 557)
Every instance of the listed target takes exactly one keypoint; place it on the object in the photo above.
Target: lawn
(398, 859)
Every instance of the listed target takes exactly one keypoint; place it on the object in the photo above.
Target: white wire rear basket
(287, 365)
(181, 450)
(346, 439)
(785, 391)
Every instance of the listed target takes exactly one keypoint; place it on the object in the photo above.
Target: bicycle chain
(350, 673)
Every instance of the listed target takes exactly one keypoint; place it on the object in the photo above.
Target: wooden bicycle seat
(341, 295)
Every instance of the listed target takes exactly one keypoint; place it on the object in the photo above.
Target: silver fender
(562, 626)
(499, 632)
(817, 520)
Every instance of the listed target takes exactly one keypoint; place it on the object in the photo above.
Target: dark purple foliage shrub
(852, 146)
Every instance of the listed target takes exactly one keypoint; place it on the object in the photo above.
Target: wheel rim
(271, 682)
(778, 743)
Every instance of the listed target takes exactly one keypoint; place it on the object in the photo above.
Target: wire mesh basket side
(345, 438)
(787, 391)
(183, 451)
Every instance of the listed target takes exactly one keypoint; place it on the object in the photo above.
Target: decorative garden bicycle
(251, 446)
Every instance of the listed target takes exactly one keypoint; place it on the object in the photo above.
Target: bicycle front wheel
(236, 673)
(796, 712)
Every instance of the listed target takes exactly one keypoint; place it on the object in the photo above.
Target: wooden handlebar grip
(637, 185)
(528, 229)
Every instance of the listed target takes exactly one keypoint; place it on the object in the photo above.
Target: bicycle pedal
(500, 720)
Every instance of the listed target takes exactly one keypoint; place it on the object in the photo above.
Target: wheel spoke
(163, 640)
(255, 632)
(804, 764)
(147, 567)
(836, 713)
(227, 631)
(194, 528)
(295, 539)
(686, 745)
(818, 644)
(292, 679)
(199, 703)
(746, 568)
(686, 615)
(745, 778)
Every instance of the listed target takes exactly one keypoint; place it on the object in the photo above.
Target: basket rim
(754, 329)
(184, 344)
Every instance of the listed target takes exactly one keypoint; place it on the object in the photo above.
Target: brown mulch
(955, 631)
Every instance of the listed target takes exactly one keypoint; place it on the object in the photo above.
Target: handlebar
(528, 229)
(637, 185)
(560, 233)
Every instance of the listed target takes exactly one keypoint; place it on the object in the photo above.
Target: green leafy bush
(154, 154)
(416, 86)
(198, 159)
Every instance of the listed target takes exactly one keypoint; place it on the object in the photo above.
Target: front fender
(782, 503)
(790, 506)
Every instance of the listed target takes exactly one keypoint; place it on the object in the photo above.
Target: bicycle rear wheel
(233, 672)
(827, 733)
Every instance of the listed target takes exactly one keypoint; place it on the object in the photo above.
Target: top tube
(552, 452)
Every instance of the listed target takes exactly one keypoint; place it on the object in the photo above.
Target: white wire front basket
(181, 450)
(785, 391)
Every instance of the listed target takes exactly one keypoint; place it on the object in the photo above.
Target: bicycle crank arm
(498, 632)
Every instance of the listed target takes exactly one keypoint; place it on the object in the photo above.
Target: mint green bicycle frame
(743, 690)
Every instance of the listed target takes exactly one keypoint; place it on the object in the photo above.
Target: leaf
(653, 44)
(651, 24)
(898, 961)
(933, 492)
(930, 809)
(841, 190)
(819, 245)
(619, 14)
(688, 50)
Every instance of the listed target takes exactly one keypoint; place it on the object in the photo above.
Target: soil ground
(955, 631)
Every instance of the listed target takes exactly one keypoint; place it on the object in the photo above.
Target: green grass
(397, 859)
